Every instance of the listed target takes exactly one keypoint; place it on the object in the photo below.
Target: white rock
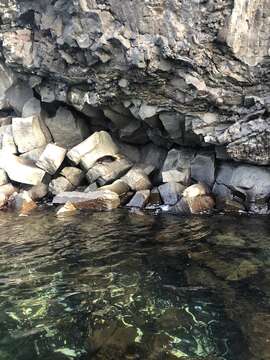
(3, 177)
(137, 179)
(7, 142)
(34, 154)
(195, 190)
(51, 158)
(29, 133)
(21, 170)
(96, 146)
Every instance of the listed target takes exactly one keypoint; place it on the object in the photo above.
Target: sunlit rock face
(175, 73)
(248, 33)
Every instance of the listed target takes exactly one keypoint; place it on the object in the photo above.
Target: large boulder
(177, 165)
(108, 171)
(139, 200)
(137, 179)
(29, 133)
(21, 170)
(17, 95)
(95, 147)
(67, 129)
(171, 192)
(59, 185)
(203, 168)
(247, 182)
(95, 200)
(74, 175)
(51, 159)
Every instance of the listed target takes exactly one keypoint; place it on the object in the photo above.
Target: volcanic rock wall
(176, 73)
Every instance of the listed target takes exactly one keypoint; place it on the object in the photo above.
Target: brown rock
(96, 200)
(200, 204)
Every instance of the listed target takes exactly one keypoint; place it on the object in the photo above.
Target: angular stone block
(60, 185)
(73, 175)
(118, 186)
(177, 165)
(21, 170)
(171, 192)
(96, 200)
(51, 159)
(137, 179)
(108, 171)
(96, 146)
(29, 133)
(66, 129)
(140, 199)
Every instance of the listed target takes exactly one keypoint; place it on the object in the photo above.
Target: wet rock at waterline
(96, 200)
(140, 199)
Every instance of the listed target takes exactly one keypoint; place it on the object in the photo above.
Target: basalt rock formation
(183, 75)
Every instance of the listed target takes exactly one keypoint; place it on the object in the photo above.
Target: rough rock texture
(186, 81)
(185, 72)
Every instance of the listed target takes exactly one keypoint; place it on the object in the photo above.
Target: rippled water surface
(121, 285)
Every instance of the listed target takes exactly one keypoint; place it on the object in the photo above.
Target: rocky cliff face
(176, 73)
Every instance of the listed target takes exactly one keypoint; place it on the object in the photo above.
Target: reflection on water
(131, 286)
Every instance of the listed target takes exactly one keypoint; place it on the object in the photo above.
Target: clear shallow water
(127, 286)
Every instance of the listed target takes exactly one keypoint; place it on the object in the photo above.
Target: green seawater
(121, 285)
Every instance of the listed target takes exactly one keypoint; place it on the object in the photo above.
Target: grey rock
(38, 192)
(17, 95)
(21, 170)
(140, 199)
(59, 185)
(203, 168)
(7, 79)
(177, 166)
(107, 171)
(51, 159)
(74, 175)
(32, 107)
(171, 192)
(91, 187)
(66, 129)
